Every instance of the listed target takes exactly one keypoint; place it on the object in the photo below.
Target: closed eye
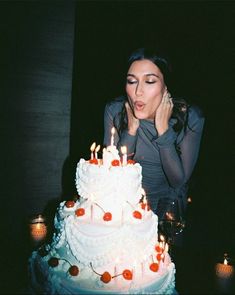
(150, 82)
(131, 81)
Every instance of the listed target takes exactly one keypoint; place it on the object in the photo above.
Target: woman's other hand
(133, 122)
(163, 113)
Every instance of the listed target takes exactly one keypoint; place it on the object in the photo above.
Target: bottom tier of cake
(46, 279)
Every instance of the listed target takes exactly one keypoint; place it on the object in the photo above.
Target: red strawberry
(80, 212)
(106, 277)
(107, 216)
(127, 274)
(154, 267)
(69, 204)
(115, 163)
(74, 270)
(53, 261)
(137, 214)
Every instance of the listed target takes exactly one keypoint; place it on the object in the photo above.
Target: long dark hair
(180, 109)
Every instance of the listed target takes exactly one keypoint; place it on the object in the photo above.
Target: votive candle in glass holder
(225, 276)
(38, 229)
(224, 270)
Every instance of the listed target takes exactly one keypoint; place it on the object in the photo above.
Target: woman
(161, 133)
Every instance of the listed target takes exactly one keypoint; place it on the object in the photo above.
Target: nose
(139, 89)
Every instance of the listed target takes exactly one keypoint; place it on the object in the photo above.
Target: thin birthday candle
(112, 135)
(92, 148)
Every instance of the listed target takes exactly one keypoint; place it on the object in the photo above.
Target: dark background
(60, 63)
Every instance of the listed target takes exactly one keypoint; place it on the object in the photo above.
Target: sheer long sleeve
(178, 166)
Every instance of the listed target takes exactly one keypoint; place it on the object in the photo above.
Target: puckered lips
(139, 105)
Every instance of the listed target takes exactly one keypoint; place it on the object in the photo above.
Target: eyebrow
(150, 74)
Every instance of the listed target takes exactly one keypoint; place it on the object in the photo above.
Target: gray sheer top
(165, 168)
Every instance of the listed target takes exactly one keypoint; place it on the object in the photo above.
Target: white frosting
(109, 186)
(109, 154)
(96, 245)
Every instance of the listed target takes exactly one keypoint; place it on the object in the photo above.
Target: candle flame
(189, 200)
(169, 216)
(97, 148)
(92, 147)
(143, 192)
(225, 261)
(124, 149)
(162, 238)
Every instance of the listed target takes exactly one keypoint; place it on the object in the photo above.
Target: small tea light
(224, 270)
(38, 228)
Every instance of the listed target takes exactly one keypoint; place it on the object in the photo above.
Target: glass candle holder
(38, 229)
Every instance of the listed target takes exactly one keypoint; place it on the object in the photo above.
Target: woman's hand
(163, 113)
(133, 122)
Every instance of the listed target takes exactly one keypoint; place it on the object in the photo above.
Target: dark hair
(160, 61)
(180, 109)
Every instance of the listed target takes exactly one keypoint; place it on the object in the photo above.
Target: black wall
(36, 66)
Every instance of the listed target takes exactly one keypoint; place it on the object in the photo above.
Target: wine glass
(171, 221)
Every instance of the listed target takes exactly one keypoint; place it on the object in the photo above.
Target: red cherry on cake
(127, 274)
(154, 267)
(53, 261)
(130, 161)
(80, 212)
(159, 256)
(115, 163)
(137, 214)
(93, 161)
(107, 216)
(73, 270)
(143, 206)
(158, 249)
(106, 277)
(69, 204)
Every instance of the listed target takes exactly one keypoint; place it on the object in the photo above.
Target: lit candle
(117, 261)
(224, 270)
(224, 275)
(162, 239)
(134, 271)
(92, 198)
(142, 266)
(144, 200)
(92, 148)
(166, 249)
(112, 135)
(124, 155)
(96, 151)
(189, 200)
(38, 229)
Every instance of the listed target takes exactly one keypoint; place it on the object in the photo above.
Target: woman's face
(144, 87)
